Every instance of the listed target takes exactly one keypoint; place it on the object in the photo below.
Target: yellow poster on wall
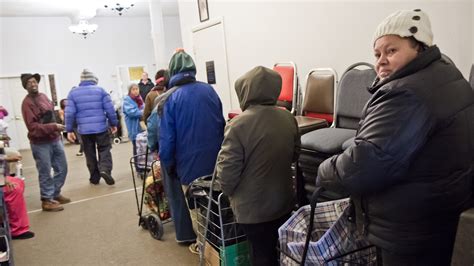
(135, 72)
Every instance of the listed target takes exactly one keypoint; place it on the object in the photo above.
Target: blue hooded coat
(192, 124)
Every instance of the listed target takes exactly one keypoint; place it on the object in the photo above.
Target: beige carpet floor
(99, 227)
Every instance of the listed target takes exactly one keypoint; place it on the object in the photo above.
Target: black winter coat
(145, 88)
(409, 172)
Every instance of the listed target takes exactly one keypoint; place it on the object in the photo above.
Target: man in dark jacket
(46, 144)
(409, 170)
(90, 107)
(145, 85)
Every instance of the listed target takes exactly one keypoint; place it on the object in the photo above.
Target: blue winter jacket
(191, 128)
(132, 117)
(90, 107)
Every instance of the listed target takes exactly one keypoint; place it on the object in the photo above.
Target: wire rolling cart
(221, 240)
(152, 195)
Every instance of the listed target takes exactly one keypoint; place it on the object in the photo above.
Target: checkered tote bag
(334, 238)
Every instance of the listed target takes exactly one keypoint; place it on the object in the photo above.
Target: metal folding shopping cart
(324, 235)
(221, 240)
(152, 195)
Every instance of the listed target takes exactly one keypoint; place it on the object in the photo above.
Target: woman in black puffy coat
(409, 171)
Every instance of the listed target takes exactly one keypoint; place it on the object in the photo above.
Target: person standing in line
(90, 107)
(177, 202)
(190, 134)
(133, 109)
(254, 163)
(161, 81)
(409, 170)
(145, 85)
(46, 144)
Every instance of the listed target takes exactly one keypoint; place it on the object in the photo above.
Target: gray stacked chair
(463, 252)
(318, 145)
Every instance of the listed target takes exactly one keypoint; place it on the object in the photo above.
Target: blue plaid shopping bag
(334, 238)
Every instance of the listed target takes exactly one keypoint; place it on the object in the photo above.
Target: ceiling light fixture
(120, 7)
(83, 28)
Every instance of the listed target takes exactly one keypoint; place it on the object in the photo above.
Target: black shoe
(94, 182)
(25, 235)
(108, 178)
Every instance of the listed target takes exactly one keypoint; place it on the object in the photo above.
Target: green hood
(259, 86)
(181, 62)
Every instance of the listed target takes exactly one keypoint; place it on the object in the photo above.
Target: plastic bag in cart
(141, 145)
(334, 238)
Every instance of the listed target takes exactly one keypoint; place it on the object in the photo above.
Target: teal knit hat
(181, 62)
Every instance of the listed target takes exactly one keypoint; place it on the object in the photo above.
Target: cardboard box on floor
(211, 256)
(235, 255)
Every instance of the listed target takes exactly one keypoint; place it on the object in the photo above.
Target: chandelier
(83, 28)
(120, 7)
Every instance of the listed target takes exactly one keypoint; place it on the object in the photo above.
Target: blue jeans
(178, 207)
(49, 155)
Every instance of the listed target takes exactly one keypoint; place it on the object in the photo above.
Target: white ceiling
(72, 8)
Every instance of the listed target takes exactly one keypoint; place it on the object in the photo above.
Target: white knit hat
(406, 23)
(88, 75)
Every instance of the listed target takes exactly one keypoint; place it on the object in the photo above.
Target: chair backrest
(320, 94)
(471, 77)
(352, 95)
(463, 251)
(289, 89)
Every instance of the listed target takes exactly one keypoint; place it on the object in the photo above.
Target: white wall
(44, 44)
(172, 35)
(323, 33)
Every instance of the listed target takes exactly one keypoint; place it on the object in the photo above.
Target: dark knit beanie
(181, 62)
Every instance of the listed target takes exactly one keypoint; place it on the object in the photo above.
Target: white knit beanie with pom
(406, 23)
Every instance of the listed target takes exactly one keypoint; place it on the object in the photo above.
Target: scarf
(138, 99)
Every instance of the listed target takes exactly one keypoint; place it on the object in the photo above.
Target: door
(210, 56)
(126, 74)
(12, 94)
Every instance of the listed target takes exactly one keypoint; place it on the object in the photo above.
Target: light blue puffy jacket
(132, 117)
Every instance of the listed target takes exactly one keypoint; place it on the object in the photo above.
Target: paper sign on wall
(211, 72)
(135, 73)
